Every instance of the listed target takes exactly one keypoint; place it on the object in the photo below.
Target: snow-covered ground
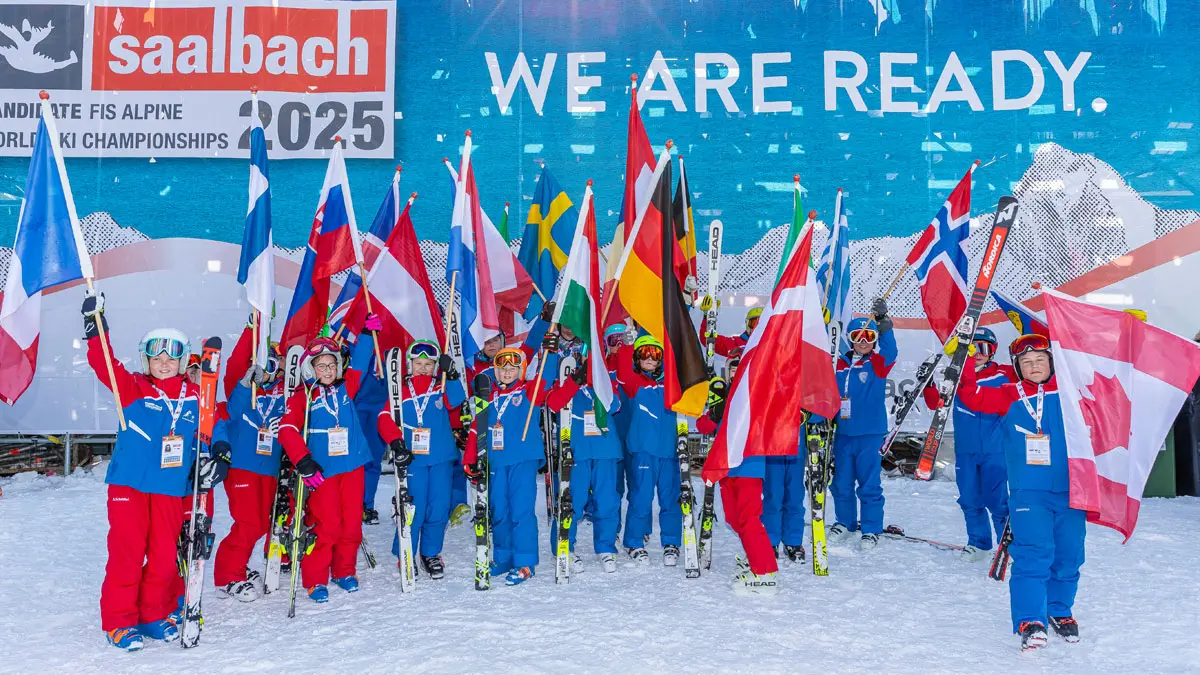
(903, 608)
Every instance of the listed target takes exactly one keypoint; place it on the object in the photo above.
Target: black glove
(401, 455)
(308, 467)
(879, 308)
(718, 387)
(548, 311)
(93, 307)
(214, 469)
(446, 367)
(717, 411)
(550, 343)
(460, 438)
(579, 375)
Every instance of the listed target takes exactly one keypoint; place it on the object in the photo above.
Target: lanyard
(1037, 417)
(335, 408)
(502, 401)
(178, 409)
(855, 359)
(424, 400)
(262, 413)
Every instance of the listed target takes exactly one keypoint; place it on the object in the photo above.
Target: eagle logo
(23, 55)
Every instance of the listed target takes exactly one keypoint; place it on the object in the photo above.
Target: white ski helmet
(159, 340)
(317, 348)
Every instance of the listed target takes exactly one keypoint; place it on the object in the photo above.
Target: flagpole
(689, 233)
(907, 264)
(85, 259)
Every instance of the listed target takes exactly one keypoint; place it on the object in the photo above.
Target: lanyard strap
(178, 409)
(424, 400)
(336, 407)
(1037, 416)
(855, 359)
(502, 401)
(262, 414)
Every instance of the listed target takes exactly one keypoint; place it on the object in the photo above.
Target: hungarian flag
(1121, 383)
(653, 296)
(639, 165)
(784, 369)
(577, 304)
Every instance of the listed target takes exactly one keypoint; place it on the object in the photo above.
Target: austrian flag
(1121, 383)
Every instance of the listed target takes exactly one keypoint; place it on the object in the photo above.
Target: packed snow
(902, 608)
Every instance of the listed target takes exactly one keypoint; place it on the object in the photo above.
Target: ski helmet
(321, 346)
(167, 341)
(752, 318)
(862, 329)
(510, 356)
(614, 335)
(986, 336)
(1139, 314)
(648, 347)
(421, 349)
(1024, 344)
(274, 363)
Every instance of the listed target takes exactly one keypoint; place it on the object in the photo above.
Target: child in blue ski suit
(978, 458)
(861, 427)
(1048, 535)
(428, 437)
(783, 501)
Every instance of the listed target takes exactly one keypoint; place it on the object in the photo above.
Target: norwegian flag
(1121, 383)
(940, 260)
(785, 368)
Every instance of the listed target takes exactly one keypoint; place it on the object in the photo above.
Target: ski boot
(608, 562)
(242, 591)
(518, 575)
(125, 638)
(577, 564)
(794, 553)
(749, 583)
(176, 616)
(740, 566)
(639, 555)
(868, 542)
(319, 594)
(972, 554)
(1066, 627)
(347, 583)
(370, 516)
(670, 556)
(163, 630)
(837, 532)
(433, 566)
(1033, 636)
(254, 576)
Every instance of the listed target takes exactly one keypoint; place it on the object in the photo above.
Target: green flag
(503, 227)
(793, 231)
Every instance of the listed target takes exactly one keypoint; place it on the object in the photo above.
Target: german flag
(655, 300)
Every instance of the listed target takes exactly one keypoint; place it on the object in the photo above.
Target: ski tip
(213, 342)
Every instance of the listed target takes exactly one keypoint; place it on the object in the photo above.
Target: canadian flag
(1121, 383)
(785, 368)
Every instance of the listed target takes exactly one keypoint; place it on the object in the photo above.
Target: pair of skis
(480, 407)
(402, 504)
(279, 537)
(198, 538)
(817, 459)
(565, 511)
(905, 402)
(708, 509)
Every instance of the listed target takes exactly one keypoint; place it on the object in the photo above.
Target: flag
(785, 368)
(793, 234)
(940, 259)
(467, 268)
(332, 247)
(49, 251)
(1121, 383)
(256, 269)
(401, 294)
(503, 226)
(386, 218)
(577, 305)
(833, 270)
(639, 165)
(653, 296)
(685, 228)
(547, 236)
(1025, 320)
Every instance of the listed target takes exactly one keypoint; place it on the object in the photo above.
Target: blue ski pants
(1047, 552)
(856, 462)
(512, 498)
(651, 474)
(783, 500)
(430, 487)
(594, 484)
(982, 489)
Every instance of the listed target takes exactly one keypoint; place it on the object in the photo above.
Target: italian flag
(577, 305)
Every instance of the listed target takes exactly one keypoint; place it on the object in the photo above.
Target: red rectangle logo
(297, 49)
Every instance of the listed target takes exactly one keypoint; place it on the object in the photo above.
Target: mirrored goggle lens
(752, 322)
(423, 351)
(650, 352)
(1027, 343)
(615, 340)
(509, 359)
(272, 365)
(863, 335)
(985, 348)
(172, 348)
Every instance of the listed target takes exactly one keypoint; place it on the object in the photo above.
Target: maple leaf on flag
(1107, 414)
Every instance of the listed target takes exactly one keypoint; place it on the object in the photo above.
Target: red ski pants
(741, 499)
(141, 577)
(335, 511)
(251, 496)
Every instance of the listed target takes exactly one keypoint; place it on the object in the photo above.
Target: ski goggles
(984, 347)
(173, 348)
(653, 352)
(752, 323)
(1029, 343)
(509, 356)
(272, 365)
(193, 361)
(614, 339)
(863, 335)
(423, 350)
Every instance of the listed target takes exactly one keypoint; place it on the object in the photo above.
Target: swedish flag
(549, 230)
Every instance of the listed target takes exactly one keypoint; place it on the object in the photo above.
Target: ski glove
(580, 374)
(547, 311)
(550, 343)
(446, 367)
(952, 346)
(254, 375)
(93, 307)
(401, 455)
(373, 323)
(718, 389)
(879, 308)
(310, 471)
(690, 285)
(707, 303)
(214, 469)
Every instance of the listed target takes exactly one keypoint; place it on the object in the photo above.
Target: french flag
(332, 247)
(256, 270)
(467, 268)
(49, 251)
(940, 259)
(386, 219)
